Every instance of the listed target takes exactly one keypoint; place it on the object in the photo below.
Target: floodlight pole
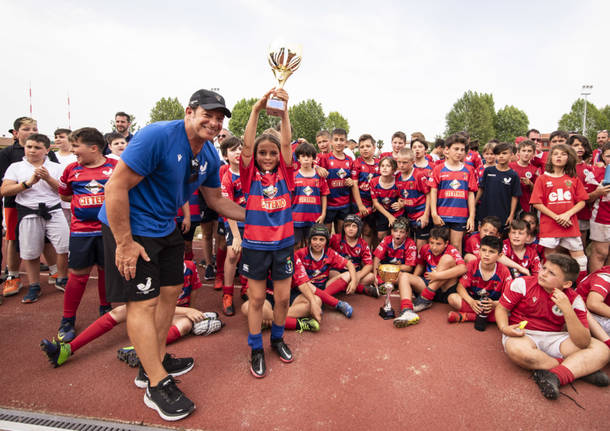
(586, 91)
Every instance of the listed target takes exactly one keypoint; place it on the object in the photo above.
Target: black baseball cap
(209, 100)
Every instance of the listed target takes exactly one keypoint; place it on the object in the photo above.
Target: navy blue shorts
(420, 233)
(86, 251)
(333, 214)
(221, 229)
(229, 235)
(293, 295)
(256, 264)
(382, 224)
(301, 233)
(460, 227)
(443, 297)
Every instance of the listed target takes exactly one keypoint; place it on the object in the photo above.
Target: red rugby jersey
(413, 191)
(338, 171)
(598, 282)
(231, 188)
(453, 187)
(386, 197)
(359, 254)
(268, 223)
(86, 185)
(474, 160)
(307, 199)
(318, 270)
(530, 261)
(477, 287)
(473, 244)
(403, 254)
(427, 258)
(363, 173)
(527, 300)
(531, 173)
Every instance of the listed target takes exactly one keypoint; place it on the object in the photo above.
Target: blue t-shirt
(162, 154)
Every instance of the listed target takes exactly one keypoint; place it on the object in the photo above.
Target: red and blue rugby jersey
(318, 270)
(268, 223)
(473, 160)
(359, 254)
(86, 185)
(191, 283)
(413, 191)
(530, 260)
(231, 189)
(426, 170)
(427, 258)
(477, 287)
(194, 206)
(473, 244)
(307, 199)
(363, 173)
(404, 254)
(386, 197)
(453, 188)
(338, 171)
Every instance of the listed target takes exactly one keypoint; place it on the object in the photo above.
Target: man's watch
(25, 184)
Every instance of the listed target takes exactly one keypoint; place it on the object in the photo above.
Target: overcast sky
(383, 65)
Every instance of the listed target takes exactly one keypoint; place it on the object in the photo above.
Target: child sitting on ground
(479, 290)
(518, 256)
(490, 226)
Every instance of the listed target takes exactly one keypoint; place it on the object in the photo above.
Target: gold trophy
(388, 274)
(284, 59)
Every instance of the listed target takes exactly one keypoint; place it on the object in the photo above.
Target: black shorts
(293, 295)
(460, 227)
(85, 251)
(420, 233)
(382, 224)
(188, 236)
(256, 264)
(165, 268)
(442, 297)
(301, 233)
(333, 214)
(221, 229)
(229, 235)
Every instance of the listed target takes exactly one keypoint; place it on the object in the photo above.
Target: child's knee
(455, 301)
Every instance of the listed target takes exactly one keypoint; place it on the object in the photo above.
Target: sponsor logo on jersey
(556, 311)
(308, 191)
(560, 195)
(455, 184)
(94, 187)
(270, 191)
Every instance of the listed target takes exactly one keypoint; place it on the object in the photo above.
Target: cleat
(257, 363)
(129, 356)
(421, 304)
(598, 378)
(218, 283)
(345, 308)
(105, 309)
(210, 315)
(308, 324)
(202, 263)
(66, 332)
(60, 284)
(169, 401)
(56, 352)
(282, 350)
(52, 279)
(406, 318)
(12, 286)
(227, 305)
(206, 327)
(457, 317)
(209, 272)
(32, 295)
(548, 383)
(371, 290)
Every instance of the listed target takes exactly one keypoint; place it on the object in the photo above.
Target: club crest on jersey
(506, 180)
(386, 201)
(394, 260)
(528, 175)
(308, 191)
(341, 173)
(568, 183)
(94, 187)
(549, 184)
(179, 157)
(107, 172)
(455, 184)
(556, 311)
(369, 177)
(270, 192)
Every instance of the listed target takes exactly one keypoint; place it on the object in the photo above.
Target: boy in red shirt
(479, 290)
(365, 169)
(490, 226)
(594, 290)
(441, 265)
(600, 217)
(518, 256)
(526, 171)
(399, 141)
(546, 304)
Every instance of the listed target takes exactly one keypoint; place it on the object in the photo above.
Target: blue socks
(255, 341)
(277, 332)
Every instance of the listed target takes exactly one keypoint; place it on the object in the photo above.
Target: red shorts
(10, 218)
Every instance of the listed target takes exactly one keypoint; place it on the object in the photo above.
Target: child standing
(65, 157)
(452, 192)
(365, 169)
(267, 177)
(386, 197)
(526, 171)
(399, 141)
(116, 144)
(600, 218)
(559, 195)
(584, 171)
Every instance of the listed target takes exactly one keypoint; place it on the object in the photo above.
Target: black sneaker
(177, 366)
(168, 400)
(598, 378)
(141, 380)
(548, 383)
(282, 349)
(209, 272)
(257, 364)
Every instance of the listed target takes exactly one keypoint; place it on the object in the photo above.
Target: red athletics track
(356, 374)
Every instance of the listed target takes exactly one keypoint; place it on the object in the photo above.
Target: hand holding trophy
(389, 275)
(284, 59)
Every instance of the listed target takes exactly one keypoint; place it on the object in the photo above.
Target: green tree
(510, 122)
(380, 145)
(133, 127)
(572, 121)
(167, 110)
(605, 118)
(334, 120)
(473, 112)
(240, 114)
(307, 118)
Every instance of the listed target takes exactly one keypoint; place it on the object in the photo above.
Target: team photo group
(512, 234)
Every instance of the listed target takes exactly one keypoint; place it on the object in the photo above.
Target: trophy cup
(389, 275)
(284, 59)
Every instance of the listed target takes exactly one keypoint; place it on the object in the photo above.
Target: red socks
(74, 293)
(565, 375)
(428, 294)
(173, 334)
(188, 255)
(360, 288)
(98, 328)
(227, 290)
(101, 286)
(291, 323)
(326, 298)
(339, 285)
(406, 304)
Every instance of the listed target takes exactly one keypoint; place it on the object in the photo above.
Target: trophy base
(275, 107)
(386, 314)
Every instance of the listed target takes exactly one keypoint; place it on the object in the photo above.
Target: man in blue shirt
(161, 167)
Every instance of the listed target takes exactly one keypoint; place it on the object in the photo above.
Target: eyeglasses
(194, 170)
(222, 136)
(536, 139)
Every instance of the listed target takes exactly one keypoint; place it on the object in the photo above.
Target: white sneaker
(207, 327)
(406, 318)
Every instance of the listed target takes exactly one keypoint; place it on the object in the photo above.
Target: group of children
(418, 211)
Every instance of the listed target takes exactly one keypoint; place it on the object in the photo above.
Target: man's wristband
(25, 184)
